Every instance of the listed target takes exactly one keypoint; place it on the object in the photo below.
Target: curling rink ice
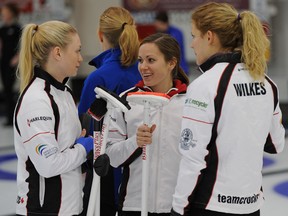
(275, 180)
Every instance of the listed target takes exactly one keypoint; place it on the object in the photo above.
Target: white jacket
(224, 134)
(123, 150)
(49, 177)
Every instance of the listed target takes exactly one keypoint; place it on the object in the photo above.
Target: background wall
(278, 67)
(85, 16)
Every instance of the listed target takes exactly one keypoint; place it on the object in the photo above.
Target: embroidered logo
(196, 104)
(186, 139)
(40, 148)
(19, 200)
(43, 150)
(38, 118)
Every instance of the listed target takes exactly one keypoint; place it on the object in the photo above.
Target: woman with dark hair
(159, 66)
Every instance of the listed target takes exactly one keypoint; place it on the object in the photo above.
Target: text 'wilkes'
(250, 89)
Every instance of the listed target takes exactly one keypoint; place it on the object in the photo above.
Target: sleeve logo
(43, 150)
(186, 139)
(19, 200)
(39, 118)
(196, 103)
(40, 148)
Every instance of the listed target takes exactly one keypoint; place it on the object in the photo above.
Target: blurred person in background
(9, 37)
(116, 70)
(162, 25)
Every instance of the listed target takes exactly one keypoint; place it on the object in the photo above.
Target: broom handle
(94, 200)
(145, 164)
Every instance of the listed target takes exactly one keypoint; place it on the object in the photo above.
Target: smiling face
(155, 71)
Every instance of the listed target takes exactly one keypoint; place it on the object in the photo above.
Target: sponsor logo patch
(237, 199)
(40, 148)
(19, 200)
(38, 118)
(196, 103)
(187, 139)
(43, 150)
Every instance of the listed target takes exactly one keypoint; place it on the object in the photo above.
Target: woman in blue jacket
(117, 70)
(116, 66)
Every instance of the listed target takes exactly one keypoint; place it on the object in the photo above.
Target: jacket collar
(178, 87)
(39, 72)
(232, 57)
(106, 56)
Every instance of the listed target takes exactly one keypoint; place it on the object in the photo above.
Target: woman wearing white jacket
(231, 116)
(159, 56)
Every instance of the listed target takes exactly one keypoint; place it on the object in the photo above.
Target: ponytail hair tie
(123, 25)
(239, 17)
(34, 30)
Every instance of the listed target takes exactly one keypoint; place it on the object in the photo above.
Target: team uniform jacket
(229, 119)
(123, 150)
(46, 126)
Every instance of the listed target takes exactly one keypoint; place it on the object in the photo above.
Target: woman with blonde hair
(117, 64)
(117, 71)
(47, 133)
(231, 116)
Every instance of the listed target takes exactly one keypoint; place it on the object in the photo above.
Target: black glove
(101, 165)
(99, 107)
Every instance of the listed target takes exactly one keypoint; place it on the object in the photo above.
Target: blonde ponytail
(129, 45)
(237, 32)
(36, 43)
(255, 45)
(26, 64)
(118, 26)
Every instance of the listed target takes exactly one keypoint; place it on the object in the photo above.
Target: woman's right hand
(144, 135)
